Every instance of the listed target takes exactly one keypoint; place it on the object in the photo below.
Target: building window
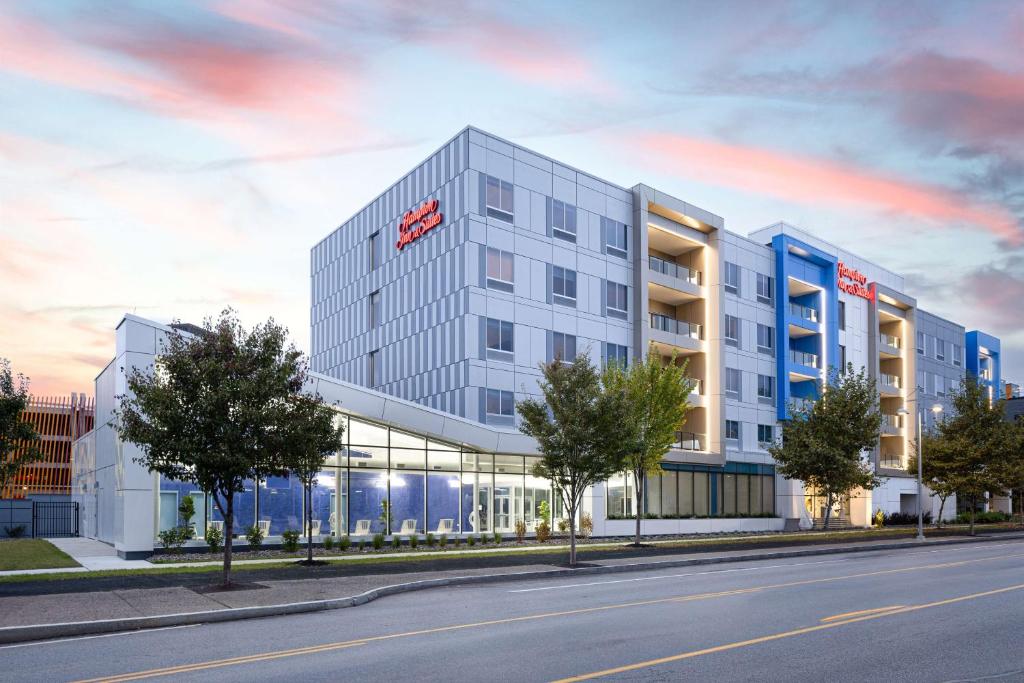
(920, 343)
(764, 288)
(500, 269)
(499, 337)
(940, 385)
(733, 383)
(842, 358)
(958, 355)
(617, 353)
(563, 285)
(501, 403)
(563, 220)
(499, 199)
(940, 349)
(921, 380)
(373, 369)
(732, 278)
(842, 315)
(732, 430)
(563, 347)
(615, 238)
(765, 387)
(617, 303)
(765, 338)
(732, 330)
(765, 434)
(374, 258)
(375, 309)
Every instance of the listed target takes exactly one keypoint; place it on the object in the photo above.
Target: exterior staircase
(834, 523)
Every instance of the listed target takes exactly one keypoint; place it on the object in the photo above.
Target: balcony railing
(667, 324)
(803, 358)
(888, 380)
(674, 270)
(802, 403)
(889, 340)
(803, 312)
(698, 387)
(892, 421)
(688, 441)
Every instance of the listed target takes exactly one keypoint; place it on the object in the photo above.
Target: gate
(54, 518)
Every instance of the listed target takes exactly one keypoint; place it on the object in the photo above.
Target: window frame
(764, 430)
(374, 255)
(768, 298)
(770, 384)
(613, 227)
(739, 430)
(555, 296)
(505, 331)
(621, 353)
(842, 315)
(499, 282)
(565, 339)
(374, 369)
(501, 396)
(560, 208)
(732, 288)
(732, 341)
(737, 393)
(375, 317)
(500, 211)
(770, 332)
(619, 289)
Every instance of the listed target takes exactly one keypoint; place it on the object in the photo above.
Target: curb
(17, 634)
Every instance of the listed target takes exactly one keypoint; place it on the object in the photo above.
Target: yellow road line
(844, 615)
(784, 634)
(166, 671)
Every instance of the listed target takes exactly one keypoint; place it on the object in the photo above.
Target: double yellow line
(233, 661)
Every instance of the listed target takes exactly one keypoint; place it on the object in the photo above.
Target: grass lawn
(32, 553)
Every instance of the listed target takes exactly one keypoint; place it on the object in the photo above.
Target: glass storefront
(736, 490)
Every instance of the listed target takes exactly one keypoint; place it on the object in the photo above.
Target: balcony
(671, 283)
(802, 312)
(804, 404)
(809, 360)
(889, 345)
(673, 326)
(891, 424)
(889, 384)
(890, 340)
(674, 270)
(688, 441)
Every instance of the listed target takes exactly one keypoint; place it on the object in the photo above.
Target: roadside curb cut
(17, 634)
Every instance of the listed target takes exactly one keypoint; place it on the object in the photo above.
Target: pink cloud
(817, 181)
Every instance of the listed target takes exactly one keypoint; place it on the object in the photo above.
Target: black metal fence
(52, 518)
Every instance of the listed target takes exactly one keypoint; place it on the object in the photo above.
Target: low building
(59, 421)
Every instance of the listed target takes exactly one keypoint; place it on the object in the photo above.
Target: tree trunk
(942, 504)
(828, 510)
(974, 504)
(572, 540)
(638, 478)
(229, 525)
(309, 522)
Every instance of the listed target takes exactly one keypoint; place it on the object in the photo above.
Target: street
(945, 614)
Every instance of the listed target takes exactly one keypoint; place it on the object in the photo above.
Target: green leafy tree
(823, 442)
(577, 431)
(936, 454)
(1013, 468)
(19, 441)
(655, 406)
(213, 410)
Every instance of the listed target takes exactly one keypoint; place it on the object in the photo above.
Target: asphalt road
(945, 614)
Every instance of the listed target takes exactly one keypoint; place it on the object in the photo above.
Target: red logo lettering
(418, 222)
(858, 282)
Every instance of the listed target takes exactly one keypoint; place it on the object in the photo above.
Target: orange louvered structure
(59, 421)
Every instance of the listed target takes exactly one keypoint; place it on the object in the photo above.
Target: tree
(310, 435)
(212, 411)
(655, 409)
(823, 441)
(19, 441)
(936, 454)
(576, 427)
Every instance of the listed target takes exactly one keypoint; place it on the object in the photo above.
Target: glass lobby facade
(736, 490)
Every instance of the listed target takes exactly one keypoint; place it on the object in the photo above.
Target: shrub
(484, 539)
(497, 538)
(290, 540)
(470, 541)
(563, 526)
(457, 542)
(172, 539)
(586, 525)
(879, 518)
(990, 517)
(396, 541)
(328, 543)
(443, 541)
(414, 541)
(520, 530)
(255, 537)
(362, 544)
(544, 511)
(344, 543)
(902, 518)
(15, 531)
(214, 537)
(186, 511)
(430, 540)
(378, 541)
(543, 532)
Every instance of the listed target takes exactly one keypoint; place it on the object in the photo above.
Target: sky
(172, 159)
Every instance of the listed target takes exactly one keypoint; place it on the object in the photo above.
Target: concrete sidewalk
(170, 603)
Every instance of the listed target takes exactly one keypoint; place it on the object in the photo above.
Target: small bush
(990, 517)
(543, 532)
(290, 540)
(255, 537)
(15, 531)
(344, 543)
(431, 540)
(378, 541)
(520, 530)
(586, 525)
(879, 518)
(470, 541)
(414, 541)
(328, 543)
(457, 542)
(563, 526)
(214, 538)
(443, 541)
(396, 541)
(362, 544)
(902, 519)
(484, 539)
(497, 538)
(172, 539)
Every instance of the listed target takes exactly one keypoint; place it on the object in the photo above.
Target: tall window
(500, 403)
(373, 369)
(499, 199)
(563, 285)
(732, 278)
(375, 309)
(563, 346)
(958, 355)
(920, 343)
(764, 288)
(732, 330)
(842, 358)
(563, 220)
(940, 385)
(615, 238)
(765, 387)
(617, 303)
(940, 349)
(499, 336)
(374, 257)
(765, 434)
(733, 383)
(500, 269)
(732, 430)
(765, 338)
(842, 315)
(617, 353)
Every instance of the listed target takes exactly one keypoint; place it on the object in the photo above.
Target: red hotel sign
(418, 222)
(854, 282)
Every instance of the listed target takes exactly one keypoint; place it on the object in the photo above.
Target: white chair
(315, 523)
(264, 525)
(362, 528)
(472, 520)
(445, 526)
(408, 527)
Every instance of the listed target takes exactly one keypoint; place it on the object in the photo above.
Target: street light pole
(920, 484)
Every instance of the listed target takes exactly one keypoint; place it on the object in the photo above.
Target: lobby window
(765, 435)
(842, 315)
(940, 349)
(501, 403)
(373, 369)
(617, 353)
(499, 199)
(765, 388)
(617, 299)
(958, 355)
(732, 330)
(499, 339)
(732, 430)
(500, 269)
(563, 347)
(375, 309)
(920, 343)
(764, 288)
(765, 338)
(563, 220)
(563, 286)
(733, 383)
(374, 255)
(615, 238)
(732, 278)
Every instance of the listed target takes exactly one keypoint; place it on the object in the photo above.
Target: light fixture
(937, 408)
